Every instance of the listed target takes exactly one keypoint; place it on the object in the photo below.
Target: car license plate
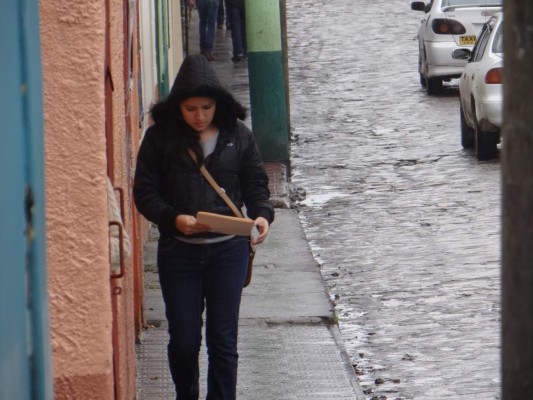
(467, 40)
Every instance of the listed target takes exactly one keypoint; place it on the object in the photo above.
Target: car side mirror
(418, 6)
(461, 54)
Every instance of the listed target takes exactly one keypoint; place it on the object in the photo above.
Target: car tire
(433, 86)
(486, 144)
(421, 70)
(468, 138)
(423, 81)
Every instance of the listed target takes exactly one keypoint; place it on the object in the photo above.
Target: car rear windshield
(497, 45)
(476, 3)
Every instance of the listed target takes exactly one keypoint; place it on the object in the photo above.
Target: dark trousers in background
(207, 14)
(237, 22)
(194, 277)
(221, 13)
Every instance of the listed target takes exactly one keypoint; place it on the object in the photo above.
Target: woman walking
(199, 269)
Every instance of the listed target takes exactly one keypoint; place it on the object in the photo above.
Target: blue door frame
(25, 371)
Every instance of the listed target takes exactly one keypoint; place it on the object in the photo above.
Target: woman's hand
(262, 226)
(187, 225)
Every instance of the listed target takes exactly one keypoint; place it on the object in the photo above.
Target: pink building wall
(82, 296)
(126, 136)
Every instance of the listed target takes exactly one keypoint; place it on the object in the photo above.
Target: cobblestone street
(405, 223)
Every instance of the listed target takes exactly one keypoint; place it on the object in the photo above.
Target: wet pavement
(404, 222)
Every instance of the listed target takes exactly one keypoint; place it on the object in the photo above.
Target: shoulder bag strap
(221, 192)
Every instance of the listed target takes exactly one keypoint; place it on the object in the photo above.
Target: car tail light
(447, 27)
(494, 76)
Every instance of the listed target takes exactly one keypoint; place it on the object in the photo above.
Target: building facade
(102, 65)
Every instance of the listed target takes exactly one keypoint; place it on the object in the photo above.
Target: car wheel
(434, 86)
(422, 80)
(468, 139)
(486, 144)
(420, 70)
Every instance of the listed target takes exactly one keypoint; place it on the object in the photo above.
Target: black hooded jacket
(168, 183)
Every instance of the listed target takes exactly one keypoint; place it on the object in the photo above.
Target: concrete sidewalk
(289, 345)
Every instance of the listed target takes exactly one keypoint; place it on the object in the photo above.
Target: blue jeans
(220, 13)
(207, 13)
(237, 23)
(194, 277)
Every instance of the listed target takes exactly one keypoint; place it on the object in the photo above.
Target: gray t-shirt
(208, 146)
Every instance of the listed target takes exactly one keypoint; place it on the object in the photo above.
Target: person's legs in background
(207, 13)
(220, 15)
(238, 32)
(228, 26)
(243, 32)
(202, 17)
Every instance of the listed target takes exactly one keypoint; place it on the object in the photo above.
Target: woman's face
(198, 112)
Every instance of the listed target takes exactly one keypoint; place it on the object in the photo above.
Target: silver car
(448, 25)
(481, 91)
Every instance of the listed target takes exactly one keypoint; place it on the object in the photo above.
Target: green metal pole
(266, 70)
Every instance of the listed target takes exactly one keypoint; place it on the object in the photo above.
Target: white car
(446, 26)
(481, 91)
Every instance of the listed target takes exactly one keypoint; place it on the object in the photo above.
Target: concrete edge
(354, 380)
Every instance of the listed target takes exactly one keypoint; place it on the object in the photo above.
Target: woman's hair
(178, 137)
